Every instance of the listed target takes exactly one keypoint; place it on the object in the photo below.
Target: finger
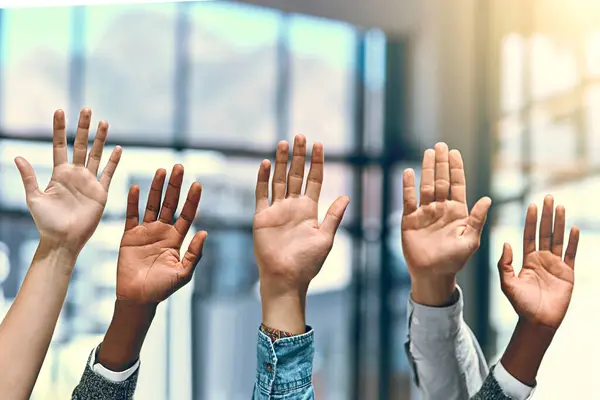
(546, 224)
(442, 172)
(334, 216)
(81, 138)
(279, 182)
(529, 231)
(95, 156)
(110, 168)
(558, 234)
(428, 177)
(153, 203)
(28, 177)
(458, 187)
(262, 186)
(296, 173)
(171, 200)
(314, 182)
(409, 194)
(505, 268)
(572, 247)
(190, 208)
(477, 218)
(59, 138)
(193, 255)
(132, 218)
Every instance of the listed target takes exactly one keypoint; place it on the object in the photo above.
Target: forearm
(525, 351)
(125, 335)
(285, 312)
(27, 329)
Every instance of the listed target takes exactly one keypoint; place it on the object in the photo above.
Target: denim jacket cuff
(286, 364)
(435, 322)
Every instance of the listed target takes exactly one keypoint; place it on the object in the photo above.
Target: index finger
(186, 218)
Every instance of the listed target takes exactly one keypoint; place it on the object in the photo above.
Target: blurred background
(515, 85)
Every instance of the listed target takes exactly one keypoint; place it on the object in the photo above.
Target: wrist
(125, 335)
(61, 256)
(284, 311)
(434, 291)
(526, 350)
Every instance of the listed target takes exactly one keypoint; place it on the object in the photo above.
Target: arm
(439, 235)
(66, 214)
(149, 270)
(540, 295)
(443, 351)
(290, 248)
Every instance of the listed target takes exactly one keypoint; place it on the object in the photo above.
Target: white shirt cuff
(510, 385)
(435, 322)
(109, 375)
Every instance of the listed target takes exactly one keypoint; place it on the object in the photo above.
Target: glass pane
(322, 72)
(592, 122)
(553, 67)
(35, 68)
(375, 70)
(508, 169)
(592, 55)
(129, 68)
(554, 145)
(233, 55)
(512, 72)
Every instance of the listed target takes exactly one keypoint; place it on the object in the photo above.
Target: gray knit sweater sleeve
(94, 387)
(491, 390)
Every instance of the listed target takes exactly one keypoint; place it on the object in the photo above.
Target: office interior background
(515, 85)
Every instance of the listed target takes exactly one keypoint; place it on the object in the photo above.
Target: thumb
(28, 176)
(334, 216)
(477, 218)
(505, 268)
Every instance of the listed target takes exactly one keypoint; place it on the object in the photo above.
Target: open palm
(70, 207)
(150, 268)
(439, 236)
(541, 293)
(289, 243)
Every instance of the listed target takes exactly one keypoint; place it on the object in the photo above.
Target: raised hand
(150, 268)
(289, 244)
(439, 235)
(541, 293)
(69, 209)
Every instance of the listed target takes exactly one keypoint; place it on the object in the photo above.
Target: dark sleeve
(94, 387)
(491, 390)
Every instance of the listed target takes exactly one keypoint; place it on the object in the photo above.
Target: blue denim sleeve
(284, 368)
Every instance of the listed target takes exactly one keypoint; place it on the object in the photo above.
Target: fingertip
(441, 146)
(196, 187)
(283, 145)
(300, 139)
(265, 164)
